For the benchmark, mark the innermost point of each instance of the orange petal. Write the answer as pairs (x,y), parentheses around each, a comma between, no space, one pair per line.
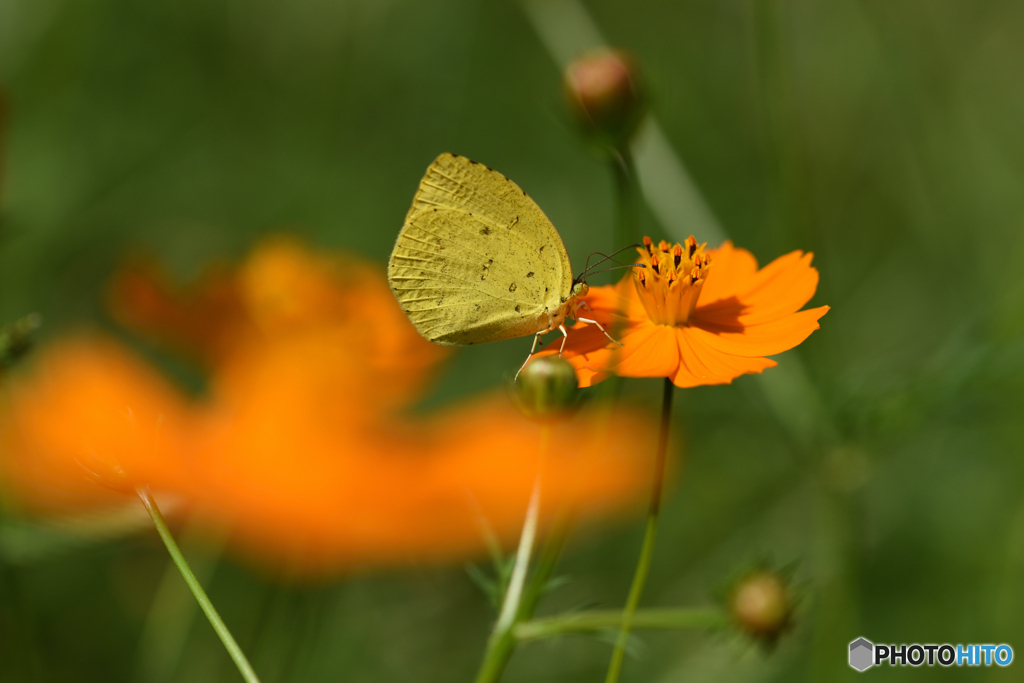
(89,412)
(725,363)
(780,288)
(731,270)
(412,491)
(695,370)
(197,320)
(760,340)
(649,351)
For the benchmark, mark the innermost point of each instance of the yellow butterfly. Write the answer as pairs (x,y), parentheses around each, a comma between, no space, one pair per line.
(478,261)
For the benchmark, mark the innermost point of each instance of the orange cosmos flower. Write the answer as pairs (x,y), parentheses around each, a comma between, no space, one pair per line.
(301,449)
(695,316)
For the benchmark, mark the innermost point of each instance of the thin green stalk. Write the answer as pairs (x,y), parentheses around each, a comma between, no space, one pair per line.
(545,569)
(596,621)
(650,533)
(170,618)
(626,190)
(513,596)
(193,583)
(518,603)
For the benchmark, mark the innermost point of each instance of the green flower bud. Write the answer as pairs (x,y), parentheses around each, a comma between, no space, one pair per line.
(762,605)
(605,96)
(547,386)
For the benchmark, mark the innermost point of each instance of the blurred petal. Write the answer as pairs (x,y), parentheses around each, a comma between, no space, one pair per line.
(199,321)
(412,491)
(90,419)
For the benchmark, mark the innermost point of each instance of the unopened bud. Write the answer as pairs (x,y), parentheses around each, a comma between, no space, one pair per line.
(605,95)
(547,386)
(762,605)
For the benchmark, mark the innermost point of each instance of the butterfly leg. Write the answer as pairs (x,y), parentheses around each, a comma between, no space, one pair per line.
(594,322)
(565,338)
(536,339)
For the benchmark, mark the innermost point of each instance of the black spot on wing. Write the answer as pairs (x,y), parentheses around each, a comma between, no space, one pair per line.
(512,287)
(530,274)
(485,230)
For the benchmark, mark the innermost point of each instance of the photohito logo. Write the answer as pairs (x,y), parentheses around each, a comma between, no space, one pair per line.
(864,654)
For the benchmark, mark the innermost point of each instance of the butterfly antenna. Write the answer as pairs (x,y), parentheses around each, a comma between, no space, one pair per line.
(587,267)
(628,265)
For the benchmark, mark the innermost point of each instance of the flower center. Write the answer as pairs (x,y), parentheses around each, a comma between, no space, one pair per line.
(670,284)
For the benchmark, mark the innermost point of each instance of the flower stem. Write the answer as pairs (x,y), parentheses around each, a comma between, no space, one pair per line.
(519,603)
(514,594)
(624,171)
(669,619)
(193,583)
(650,533)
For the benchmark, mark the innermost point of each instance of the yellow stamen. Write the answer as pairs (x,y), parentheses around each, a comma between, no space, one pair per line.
(670,284)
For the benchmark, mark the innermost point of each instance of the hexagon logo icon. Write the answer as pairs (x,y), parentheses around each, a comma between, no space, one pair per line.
(862,653)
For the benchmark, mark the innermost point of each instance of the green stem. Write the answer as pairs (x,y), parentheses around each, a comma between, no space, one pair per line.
(650,533)
(669,619)
(193,583)
(520,599)
(514,594)
(624,171)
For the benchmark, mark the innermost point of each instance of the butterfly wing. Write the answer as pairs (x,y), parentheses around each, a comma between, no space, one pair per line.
(477,260)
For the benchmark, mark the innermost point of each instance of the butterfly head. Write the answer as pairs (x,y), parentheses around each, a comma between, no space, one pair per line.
(577,299)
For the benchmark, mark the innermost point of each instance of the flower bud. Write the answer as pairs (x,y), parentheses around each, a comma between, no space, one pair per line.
(547,386)
(605,96)
(762,605)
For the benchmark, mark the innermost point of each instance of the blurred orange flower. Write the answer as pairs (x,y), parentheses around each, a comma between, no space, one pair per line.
(695,316)
(300,449)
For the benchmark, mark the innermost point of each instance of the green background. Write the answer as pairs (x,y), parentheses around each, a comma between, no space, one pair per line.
(883,135)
